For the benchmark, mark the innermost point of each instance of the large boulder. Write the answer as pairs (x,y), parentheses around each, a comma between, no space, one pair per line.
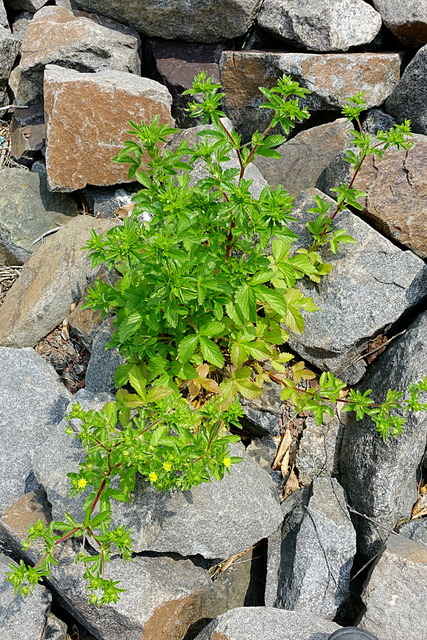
(407,20)
(3,17)
(9,48)
(409,97)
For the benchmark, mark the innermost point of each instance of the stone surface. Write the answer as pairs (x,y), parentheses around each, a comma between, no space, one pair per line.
(416,530)
(57,36)
(409,97)
(395,593)
(377,119)
(371,285)
(32,401)
(396,185)
(103,202)
(305,156)
(54,277)
(330,77)
(326,25)
(195,21)
(260,623)
(319,448)
(20,24)
(381,477)
(27,141)
(407,20)
(55,629)
(103,363)
(3,17)
(28,210)
(9,48)
(26,5)
(87,118)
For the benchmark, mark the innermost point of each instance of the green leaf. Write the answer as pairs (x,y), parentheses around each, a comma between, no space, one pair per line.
(246,300)
(211,352)
(138,382)
(187,347)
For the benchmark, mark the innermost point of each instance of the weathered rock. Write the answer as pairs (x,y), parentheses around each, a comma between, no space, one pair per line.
(3,17)
(416,530)
(20,24)
(9,48)
(28,210)
(318,544)
(84,324)
(396,185)
(54,277)
(407,20)
(395,593)
(103,363)
(371,285)
(260,623)
(57,36)
(209,21)
(261,416)
(26,5)
(381,477)
(32,401)
(305,156)
(55,629)
(327,25)
(103,202)
(263,450)
(376,120)
(319,447)
(409,97)
(331,78)
(26,141)
(87,119)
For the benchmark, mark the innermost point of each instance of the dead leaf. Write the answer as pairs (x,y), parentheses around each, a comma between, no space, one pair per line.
(420,507)
(284,467)
(291,485)
(284,446)
(124,211)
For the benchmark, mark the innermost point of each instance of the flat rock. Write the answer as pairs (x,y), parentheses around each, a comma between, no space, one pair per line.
(58,36)
(320,144)
(208,21)
(87,118)
(331,78)
(416,530)
(55,276)
(103,363)
(407,20)
(395,593)
(381,477)
(32,401)
(371,285)
(28,210)
(260,623)
(261,415)
(3,17)
(9,48)
(319,448)
(409,97)
(327,25)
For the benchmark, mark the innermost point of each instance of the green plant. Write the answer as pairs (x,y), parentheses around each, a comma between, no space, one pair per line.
(206,294)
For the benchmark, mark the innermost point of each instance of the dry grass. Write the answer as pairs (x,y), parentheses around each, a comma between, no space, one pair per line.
(8,275)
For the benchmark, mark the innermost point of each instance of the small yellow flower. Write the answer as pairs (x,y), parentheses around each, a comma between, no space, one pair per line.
(152,476)
(81,483)
(226,462)
(167,466)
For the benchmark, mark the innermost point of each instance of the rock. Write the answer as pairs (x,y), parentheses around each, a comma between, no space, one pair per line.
(103,202)
(9,48)
(396,185)
(260,623)
(54,277)
(87,121)
(327,25)
(26,5)
(320,144)
(263,450)
(416,530)
(409,97)
(103,363)
(209,21)
(331,78)
(261,416)
(26,141)
(376,120)
(319,447)
(20,24)
(407,20)
(22,618)
(84,323)
(380,478)
(55,629)
(371,285)
(318,544)
(32,401)
(58,36)
(29,210)
(395,592)
(3,17)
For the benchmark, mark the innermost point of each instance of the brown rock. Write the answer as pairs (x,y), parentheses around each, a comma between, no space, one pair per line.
(87,118)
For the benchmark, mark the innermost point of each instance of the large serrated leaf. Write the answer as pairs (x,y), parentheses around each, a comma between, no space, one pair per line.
(211,352)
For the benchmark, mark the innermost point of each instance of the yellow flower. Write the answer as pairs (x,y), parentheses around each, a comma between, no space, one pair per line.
(226,462)
(167,466)
(152,476)
(81,483)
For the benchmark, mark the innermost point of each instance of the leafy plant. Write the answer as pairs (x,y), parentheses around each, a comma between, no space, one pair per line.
(206,295)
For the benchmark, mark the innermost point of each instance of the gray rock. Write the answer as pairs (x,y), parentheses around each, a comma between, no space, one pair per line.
(381,477)
(407,20)
(319,144)
(55,276)
(117,48)
(376,120)
(103,362)
(210,21)
(260,623)
(55,629)
(395,593)
(32,401)
(20,24)
(3,17)
(416,530)
(319,447)
(409,97)
(102,202)
(9,48)
(371,285)
(263,450)
(261,416)
(28,210)
(26,5)
(27,141)
(327,25)
(22,618)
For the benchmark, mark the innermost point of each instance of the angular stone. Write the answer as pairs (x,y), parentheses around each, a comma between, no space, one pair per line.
(208,21)
(58,36)
(260,623)
(372,283)
(32,401)
(409,97)
(320,144)
(54,277)
(319,448)
(87,118)
(416,530)
(380,478)
(28,210)
(9,48)
(395,594)
(26,141)
(396,185)
(3,17)
(261,416)
(103,363)
(377,119)
(407,20)
(20,24)
(331,78)
(103,202)
(327,25)
(26,5)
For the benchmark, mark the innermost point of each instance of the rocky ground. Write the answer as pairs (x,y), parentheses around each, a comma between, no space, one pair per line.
(318,527)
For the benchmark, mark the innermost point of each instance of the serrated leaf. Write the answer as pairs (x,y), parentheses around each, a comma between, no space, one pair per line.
(211,352)
(238,354)
(187,347)
(121,375)
(246,300)
(273,299)
(157,393)
(137,380)
(212,329)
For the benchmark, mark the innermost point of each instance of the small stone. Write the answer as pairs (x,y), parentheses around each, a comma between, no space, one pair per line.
(376,120)
(416,530)
(261,416)
(409,97)
(26,141)
(407,20)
